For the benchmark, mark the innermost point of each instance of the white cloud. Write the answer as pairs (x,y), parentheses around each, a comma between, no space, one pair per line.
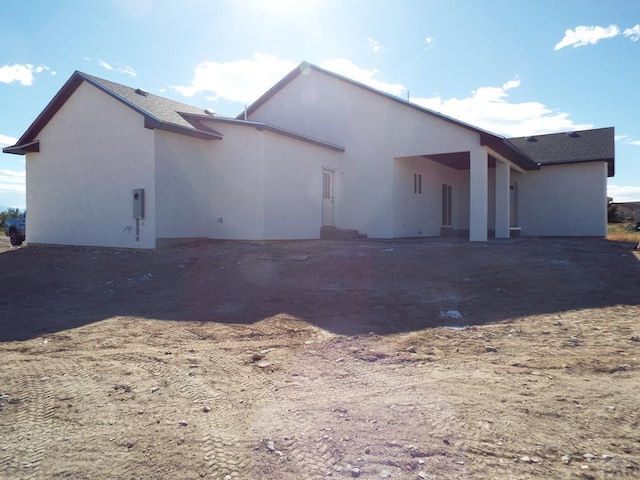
(626,140)
(375,46)
(348,69)
(21,73)
(624,193)
(633,33)
(488,108)
(583,35)
(6,141)
(428,42)
(241,81)
(118,69)
(515,83)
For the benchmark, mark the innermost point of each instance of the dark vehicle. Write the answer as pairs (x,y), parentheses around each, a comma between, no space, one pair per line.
(16,229)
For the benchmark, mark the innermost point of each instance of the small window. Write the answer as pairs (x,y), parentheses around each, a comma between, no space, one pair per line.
(417,183)
(447,205)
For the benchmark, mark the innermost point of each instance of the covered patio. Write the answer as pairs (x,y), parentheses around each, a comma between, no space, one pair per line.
(466,193)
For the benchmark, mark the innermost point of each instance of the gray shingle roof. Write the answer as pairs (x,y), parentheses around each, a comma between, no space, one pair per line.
(572,147)
(163,109)
(158,112)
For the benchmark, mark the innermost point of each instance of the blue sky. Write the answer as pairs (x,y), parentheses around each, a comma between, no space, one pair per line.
(512,67)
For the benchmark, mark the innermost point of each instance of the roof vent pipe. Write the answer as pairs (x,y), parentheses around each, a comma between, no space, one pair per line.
(142,92)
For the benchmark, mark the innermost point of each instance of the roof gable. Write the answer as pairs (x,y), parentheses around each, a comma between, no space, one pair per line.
(596,145)
(306,66)
(158,112)
(496,142)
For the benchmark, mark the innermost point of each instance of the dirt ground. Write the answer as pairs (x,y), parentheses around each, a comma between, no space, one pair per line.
(413,359)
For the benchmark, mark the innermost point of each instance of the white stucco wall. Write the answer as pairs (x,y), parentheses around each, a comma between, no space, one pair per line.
(563,200)
(252,185)
(264,185)
(374,131)
(233,185)
(184,185)
(418,215)
(93,153)
(293,187)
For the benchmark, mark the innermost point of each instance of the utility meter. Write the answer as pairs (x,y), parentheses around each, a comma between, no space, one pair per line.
(138,203)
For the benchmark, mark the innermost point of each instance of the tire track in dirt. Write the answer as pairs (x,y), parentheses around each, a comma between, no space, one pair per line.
(381,416)
(221,392)
(231,450)
(27,441)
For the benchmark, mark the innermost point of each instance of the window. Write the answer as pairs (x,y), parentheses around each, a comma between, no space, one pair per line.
(446,205)
(326,185)
(417,183)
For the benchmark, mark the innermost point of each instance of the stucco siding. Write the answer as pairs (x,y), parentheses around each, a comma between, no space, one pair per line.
(236,191)
(327,108)
(93,153)
(563,200)
(420,214)
(252,185)
(184,183)
(374,131)
(293,187)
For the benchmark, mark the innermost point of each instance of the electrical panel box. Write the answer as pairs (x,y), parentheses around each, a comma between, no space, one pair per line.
(138,203)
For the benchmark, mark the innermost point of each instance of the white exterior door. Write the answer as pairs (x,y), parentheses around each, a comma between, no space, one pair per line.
(328,187)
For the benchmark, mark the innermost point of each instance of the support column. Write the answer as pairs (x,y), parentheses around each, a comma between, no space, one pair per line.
(503,181)
(478,193)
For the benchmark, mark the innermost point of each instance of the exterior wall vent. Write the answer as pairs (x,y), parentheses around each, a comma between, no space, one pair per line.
(142,92)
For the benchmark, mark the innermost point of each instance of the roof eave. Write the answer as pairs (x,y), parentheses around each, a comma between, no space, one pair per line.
(609,161)
(50,110)
(153,123)
(22,149)
(303,138)
(273,129)
(509,151)
(273,90)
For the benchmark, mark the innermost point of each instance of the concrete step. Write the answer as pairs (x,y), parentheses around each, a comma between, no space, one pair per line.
(333,233)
